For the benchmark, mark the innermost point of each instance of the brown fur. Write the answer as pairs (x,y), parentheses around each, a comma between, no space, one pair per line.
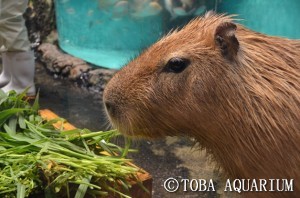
(245,110)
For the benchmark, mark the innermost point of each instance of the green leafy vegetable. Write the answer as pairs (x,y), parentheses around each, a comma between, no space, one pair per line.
(38,159)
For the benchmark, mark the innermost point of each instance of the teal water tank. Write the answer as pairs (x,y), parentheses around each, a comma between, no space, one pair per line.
(272,17)
(107,33)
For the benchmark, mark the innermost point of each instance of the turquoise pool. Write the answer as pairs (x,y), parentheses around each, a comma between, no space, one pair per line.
(99,37)
(109,33)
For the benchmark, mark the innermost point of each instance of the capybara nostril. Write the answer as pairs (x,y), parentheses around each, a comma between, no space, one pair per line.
(110,107)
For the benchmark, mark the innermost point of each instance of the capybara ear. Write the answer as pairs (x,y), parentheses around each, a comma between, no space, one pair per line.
(226,40)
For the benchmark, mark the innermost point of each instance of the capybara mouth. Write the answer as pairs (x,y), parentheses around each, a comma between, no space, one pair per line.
(131,118)
(136,122)
(121,121)
(135,128)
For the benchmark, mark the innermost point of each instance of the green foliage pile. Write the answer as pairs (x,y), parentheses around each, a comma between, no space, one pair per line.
(38,159)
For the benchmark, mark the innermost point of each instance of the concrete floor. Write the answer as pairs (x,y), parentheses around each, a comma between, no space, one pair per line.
(170,157)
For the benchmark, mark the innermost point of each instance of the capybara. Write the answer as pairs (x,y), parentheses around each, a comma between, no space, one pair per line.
(236,91)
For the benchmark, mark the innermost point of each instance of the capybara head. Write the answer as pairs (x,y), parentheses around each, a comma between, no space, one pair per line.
(170,88)
(234,90)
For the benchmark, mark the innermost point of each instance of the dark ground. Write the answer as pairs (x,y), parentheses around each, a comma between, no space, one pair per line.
(170,157)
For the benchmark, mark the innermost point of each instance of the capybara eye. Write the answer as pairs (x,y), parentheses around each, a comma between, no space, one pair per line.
(176,65)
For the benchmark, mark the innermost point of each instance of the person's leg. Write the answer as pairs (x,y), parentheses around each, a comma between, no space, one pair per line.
(13,32)
(21,70)
(17,58)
